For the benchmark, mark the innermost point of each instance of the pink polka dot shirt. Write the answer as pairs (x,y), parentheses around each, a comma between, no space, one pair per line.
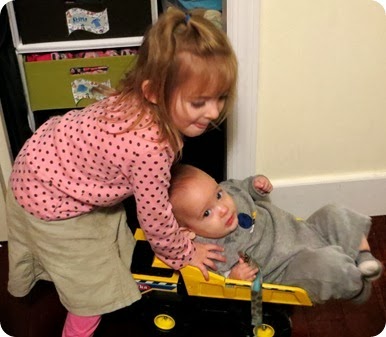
(83,160)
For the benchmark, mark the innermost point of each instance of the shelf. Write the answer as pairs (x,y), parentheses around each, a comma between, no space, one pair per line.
(125,42)
(119,42)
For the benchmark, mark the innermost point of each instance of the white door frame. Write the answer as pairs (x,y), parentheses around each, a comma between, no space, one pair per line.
(242,26)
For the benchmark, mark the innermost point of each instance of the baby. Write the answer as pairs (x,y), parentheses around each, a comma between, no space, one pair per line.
(328,254)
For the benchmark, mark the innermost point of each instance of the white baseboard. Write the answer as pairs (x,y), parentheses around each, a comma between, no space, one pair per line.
(365,193)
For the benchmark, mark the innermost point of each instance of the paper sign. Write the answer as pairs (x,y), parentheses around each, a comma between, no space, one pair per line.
(82,88)
(81,19)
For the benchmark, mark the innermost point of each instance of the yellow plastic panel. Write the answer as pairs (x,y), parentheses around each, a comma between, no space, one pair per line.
(220,287)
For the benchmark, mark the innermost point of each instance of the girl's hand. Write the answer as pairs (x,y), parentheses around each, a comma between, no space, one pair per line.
(243,271)
(204,256)
(262,183)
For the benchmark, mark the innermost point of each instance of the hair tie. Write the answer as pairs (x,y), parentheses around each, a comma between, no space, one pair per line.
(187,17)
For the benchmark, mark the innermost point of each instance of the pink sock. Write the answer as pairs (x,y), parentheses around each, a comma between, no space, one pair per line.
(80,326)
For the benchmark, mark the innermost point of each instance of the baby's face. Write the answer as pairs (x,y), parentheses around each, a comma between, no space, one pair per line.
(206,208)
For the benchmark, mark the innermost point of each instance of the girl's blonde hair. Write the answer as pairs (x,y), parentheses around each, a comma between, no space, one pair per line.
(177,47)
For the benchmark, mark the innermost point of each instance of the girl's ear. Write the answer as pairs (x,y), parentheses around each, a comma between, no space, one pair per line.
(147,93)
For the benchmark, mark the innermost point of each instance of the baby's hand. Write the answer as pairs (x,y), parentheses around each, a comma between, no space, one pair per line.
(243,271)
(262,183)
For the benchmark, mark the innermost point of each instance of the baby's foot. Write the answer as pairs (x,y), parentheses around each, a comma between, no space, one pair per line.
(370,267)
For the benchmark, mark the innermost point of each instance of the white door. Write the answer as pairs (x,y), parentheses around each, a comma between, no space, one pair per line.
(5,171)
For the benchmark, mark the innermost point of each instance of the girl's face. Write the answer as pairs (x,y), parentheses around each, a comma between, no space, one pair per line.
(193,110)
(206,208)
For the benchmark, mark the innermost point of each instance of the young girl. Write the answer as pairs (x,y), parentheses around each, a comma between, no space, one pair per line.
(65,219)
(328,254)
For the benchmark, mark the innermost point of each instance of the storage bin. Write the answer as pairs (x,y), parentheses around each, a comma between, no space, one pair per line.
(46,21)
(50,83)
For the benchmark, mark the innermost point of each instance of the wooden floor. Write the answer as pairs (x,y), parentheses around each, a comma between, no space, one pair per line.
(40,314)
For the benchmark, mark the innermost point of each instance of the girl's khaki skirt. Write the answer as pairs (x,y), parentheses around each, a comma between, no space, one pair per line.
(88,258)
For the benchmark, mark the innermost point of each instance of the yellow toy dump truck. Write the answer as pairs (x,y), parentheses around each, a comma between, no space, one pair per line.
(176,300)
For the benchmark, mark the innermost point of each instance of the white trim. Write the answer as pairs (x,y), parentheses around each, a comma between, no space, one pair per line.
(154,10)
(242,25)
(329,179)
(78,45)
(12,23)
(30,117)
(365,192)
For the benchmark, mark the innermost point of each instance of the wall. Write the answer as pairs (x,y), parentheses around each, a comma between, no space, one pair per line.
(321,113)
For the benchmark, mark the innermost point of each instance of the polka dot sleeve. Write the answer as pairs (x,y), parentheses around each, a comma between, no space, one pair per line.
(150,183)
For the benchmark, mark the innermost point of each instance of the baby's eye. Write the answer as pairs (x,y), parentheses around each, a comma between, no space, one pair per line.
(207,213)
(219,195)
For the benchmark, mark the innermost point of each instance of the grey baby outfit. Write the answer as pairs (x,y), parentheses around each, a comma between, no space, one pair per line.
(317,254)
